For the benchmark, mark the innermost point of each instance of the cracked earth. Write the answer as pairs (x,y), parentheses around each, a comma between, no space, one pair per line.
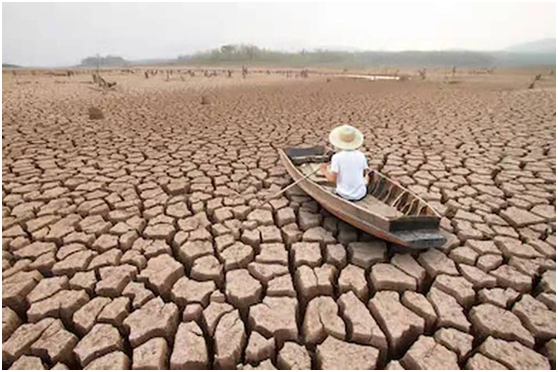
(130,242)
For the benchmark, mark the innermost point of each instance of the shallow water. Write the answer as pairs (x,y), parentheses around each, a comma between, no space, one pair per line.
(373,77)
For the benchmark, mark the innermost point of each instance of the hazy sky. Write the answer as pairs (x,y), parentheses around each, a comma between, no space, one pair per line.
(57,34)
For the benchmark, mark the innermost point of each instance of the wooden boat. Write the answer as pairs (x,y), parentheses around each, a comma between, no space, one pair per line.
(389,211)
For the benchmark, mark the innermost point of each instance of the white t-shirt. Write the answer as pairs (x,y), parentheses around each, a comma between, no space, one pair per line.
(350,166)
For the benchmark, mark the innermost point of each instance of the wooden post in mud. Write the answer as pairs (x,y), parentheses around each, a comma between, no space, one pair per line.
(532,85)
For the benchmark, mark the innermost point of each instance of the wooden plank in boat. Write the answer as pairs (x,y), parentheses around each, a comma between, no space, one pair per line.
(425,238)
(315,154)
(306,159)
(373,204)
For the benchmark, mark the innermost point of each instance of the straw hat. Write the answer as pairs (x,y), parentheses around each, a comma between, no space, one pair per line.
(346,137)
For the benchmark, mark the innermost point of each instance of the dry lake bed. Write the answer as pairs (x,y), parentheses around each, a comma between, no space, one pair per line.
(130,242)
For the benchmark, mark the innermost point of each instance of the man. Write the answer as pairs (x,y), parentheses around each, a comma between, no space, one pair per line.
(349,169)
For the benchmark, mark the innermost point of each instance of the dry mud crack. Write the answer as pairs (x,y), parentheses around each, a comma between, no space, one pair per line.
(129,242)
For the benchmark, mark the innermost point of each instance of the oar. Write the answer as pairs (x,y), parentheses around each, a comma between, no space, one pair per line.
(329,149)
(285,189)
(280,192)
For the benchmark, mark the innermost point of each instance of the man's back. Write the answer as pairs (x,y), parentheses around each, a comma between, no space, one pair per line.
(350,166)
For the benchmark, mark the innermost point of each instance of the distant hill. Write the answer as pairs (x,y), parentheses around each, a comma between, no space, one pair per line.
(516,59)
(9,65)
(543,46)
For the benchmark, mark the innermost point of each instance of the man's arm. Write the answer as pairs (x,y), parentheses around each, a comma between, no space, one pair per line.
(367,176)
(331,176)
(366,170)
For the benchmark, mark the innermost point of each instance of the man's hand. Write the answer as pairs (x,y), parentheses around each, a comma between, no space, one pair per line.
(323,168)
(331,176)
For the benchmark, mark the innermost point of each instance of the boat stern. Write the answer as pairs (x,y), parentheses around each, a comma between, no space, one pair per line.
(421,239)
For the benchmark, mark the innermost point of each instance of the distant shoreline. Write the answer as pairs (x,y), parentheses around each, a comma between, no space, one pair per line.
(256,57)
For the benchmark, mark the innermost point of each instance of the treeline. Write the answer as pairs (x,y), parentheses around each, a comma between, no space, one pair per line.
(100,61)
(253,54)
(240,54)
(250,54)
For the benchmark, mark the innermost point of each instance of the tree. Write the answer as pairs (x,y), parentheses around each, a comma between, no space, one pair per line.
(108,60)
(228,49)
